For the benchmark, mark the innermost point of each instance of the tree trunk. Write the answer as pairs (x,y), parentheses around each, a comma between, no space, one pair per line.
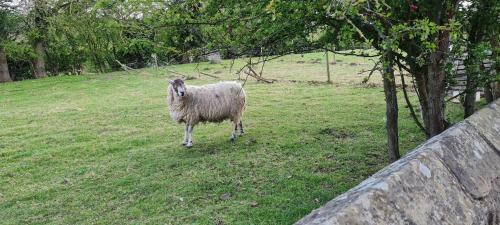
(433,82)
(423,97)
(430,81)
(435,87)
(495,86)
(470,98)
(39,62)
(471,86)
(488,95)
(391,103)
(4,67)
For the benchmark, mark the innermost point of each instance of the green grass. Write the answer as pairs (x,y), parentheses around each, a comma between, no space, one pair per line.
(101,149)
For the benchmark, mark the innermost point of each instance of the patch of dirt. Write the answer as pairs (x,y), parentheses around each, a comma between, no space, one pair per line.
(330,157)
(316,61)
(315,82)
(252,141)
(337,134)
(225,197)
(212,151)
(189,77)
(325,169)
(312,82)
(373,85)
(327,186)
(300,62)
(219,221)
(353,64)
(218,72)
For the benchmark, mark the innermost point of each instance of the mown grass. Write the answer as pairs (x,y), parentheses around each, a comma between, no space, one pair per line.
(101,149)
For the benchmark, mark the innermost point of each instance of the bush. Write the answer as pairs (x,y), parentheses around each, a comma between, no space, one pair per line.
(19,58)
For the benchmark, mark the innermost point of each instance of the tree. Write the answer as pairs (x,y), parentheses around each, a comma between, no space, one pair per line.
(6,28)
(4,67)
(391,106)
(413,36)
(479,26)
(420,38)
(37,22)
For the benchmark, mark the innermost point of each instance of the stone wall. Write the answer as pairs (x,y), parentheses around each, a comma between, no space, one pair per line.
(453,178)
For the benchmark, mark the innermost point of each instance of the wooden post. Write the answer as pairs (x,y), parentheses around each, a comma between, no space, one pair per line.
(327,67)
(155,60)
(334,59)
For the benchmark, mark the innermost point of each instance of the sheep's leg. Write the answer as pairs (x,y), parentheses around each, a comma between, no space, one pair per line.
(241,128)
(190,136)
(233,134)
(185,142)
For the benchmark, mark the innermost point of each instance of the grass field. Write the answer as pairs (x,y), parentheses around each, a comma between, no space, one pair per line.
(101,148)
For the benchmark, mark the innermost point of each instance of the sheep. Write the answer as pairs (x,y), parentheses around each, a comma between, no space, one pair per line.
(208,103)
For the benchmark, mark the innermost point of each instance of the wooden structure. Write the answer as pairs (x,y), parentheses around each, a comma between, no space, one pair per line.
(461,78)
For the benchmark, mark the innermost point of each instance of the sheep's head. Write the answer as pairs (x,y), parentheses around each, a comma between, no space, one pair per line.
(178,86)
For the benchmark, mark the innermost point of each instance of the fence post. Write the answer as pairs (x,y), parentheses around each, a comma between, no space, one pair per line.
(327,67)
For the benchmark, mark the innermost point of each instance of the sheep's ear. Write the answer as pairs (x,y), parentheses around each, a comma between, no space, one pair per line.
(170,81)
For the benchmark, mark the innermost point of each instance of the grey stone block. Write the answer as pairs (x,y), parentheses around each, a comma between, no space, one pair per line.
(453,178)
(487,122)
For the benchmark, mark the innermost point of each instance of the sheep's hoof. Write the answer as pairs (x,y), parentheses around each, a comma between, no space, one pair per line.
(232,139)
(189,145)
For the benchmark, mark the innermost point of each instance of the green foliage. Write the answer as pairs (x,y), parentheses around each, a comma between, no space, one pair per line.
(19,57)
(9,24)
(100,33)
(473,40)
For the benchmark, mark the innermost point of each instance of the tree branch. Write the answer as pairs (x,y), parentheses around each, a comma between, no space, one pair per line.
(410,106)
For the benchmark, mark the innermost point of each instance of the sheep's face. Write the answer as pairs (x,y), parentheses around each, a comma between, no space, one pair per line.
(179,87)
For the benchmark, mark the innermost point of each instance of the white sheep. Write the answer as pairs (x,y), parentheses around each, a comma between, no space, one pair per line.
(208,103)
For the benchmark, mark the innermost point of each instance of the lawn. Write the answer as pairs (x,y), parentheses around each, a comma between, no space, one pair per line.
(101,148)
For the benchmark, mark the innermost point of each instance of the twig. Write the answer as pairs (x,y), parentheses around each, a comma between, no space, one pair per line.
(232,64)
(375,68)
(351,53)
(253,74)
(410,106)
(456,96)
(262,68)
(175,72)
(360,33)
(209,75)
(123,66)
(197,69)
